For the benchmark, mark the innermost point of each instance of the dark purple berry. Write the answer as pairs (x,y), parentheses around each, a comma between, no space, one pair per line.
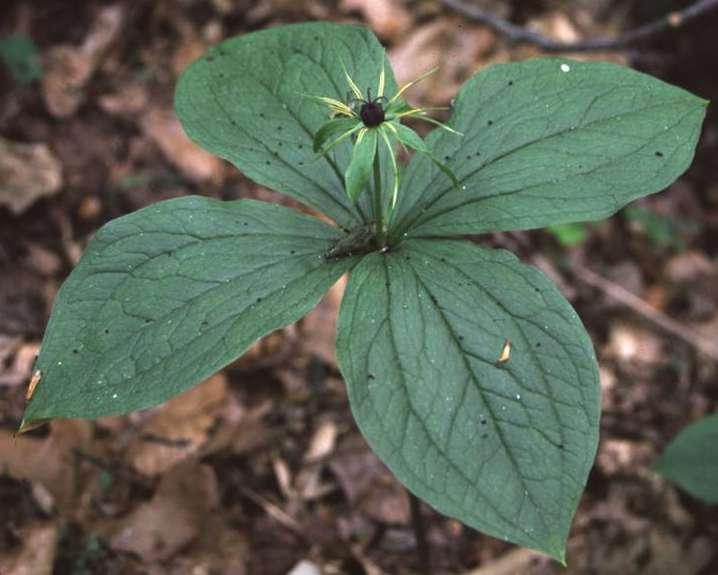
(372,114)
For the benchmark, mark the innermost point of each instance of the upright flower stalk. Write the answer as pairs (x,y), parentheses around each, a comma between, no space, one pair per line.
(374,123)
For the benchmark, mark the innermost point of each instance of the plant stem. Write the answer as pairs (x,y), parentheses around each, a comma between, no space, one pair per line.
(378,204)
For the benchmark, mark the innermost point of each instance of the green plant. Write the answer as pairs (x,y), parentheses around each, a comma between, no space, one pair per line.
(469,374)
(22,58)
(690,459)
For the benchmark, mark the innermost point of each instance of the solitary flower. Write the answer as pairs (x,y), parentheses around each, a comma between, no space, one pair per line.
(374,122)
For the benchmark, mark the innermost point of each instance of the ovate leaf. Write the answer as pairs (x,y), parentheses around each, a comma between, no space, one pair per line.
(252,100)
(691,459)
(549,141)
(503,446)
(167,295)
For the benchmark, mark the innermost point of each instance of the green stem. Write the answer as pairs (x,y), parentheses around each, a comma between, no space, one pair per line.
(378,204)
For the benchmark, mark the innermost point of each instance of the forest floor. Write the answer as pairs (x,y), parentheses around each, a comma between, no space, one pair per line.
(261,469)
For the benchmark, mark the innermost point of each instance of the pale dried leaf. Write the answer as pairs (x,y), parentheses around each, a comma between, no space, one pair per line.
(51,460)
(70,68)
(28,172)
(37,554)
(164,129)
(368,484)
(319,325)
(173,518)
(458,51)
(323,442)
(178,428)
(389,19)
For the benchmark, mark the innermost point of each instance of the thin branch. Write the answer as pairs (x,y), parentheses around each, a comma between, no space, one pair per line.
(694,338)
(519,35)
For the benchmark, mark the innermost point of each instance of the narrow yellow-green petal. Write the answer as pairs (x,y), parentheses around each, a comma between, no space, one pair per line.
(421,114)
(382,81)
(410,84)
(352,85)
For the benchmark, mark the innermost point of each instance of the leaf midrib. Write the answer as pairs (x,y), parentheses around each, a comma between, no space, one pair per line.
(392,338)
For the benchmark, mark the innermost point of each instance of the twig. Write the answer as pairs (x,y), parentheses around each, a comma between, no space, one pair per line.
(275,512)
(519,35)
(622,295)
(422,545)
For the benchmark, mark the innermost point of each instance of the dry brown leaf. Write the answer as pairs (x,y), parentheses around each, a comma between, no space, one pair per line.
(389,19)
(690,265)
(458,50)
(28,172)
(173,518)
(51,460)
(515,562)
(69,68)
(270,351)
(164,129)
(128,100)
(219,549)
(319,326)
(178,428)
(37,554)
(191,48)
(368,484)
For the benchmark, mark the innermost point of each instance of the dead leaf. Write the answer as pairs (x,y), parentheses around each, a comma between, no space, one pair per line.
(178,428)
(457,49)
(128,100)
(28,172)
(514,562)
(51,460)
(173,518)
(389,19)
(162,126)
(38,551)
(270,351)
(323,442)
(219,549)
(319,326)
(70,68)
(368,484)
(242,433)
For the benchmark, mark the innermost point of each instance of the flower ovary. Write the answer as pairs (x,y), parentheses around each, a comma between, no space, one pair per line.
(372,114)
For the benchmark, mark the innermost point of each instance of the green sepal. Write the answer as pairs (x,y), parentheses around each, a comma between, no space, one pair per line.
(397,107)
(361,164)
(411,139)
(334,132)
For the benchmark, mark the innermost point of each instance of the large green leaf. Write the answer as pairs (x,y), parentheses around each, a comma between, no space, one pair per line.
(167,295)
(549,141)
(246,101)
(503,447)
(691,459)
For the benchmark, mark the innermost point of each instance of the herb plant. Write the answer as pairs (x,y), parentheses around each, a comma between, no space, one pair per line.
(467,371)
